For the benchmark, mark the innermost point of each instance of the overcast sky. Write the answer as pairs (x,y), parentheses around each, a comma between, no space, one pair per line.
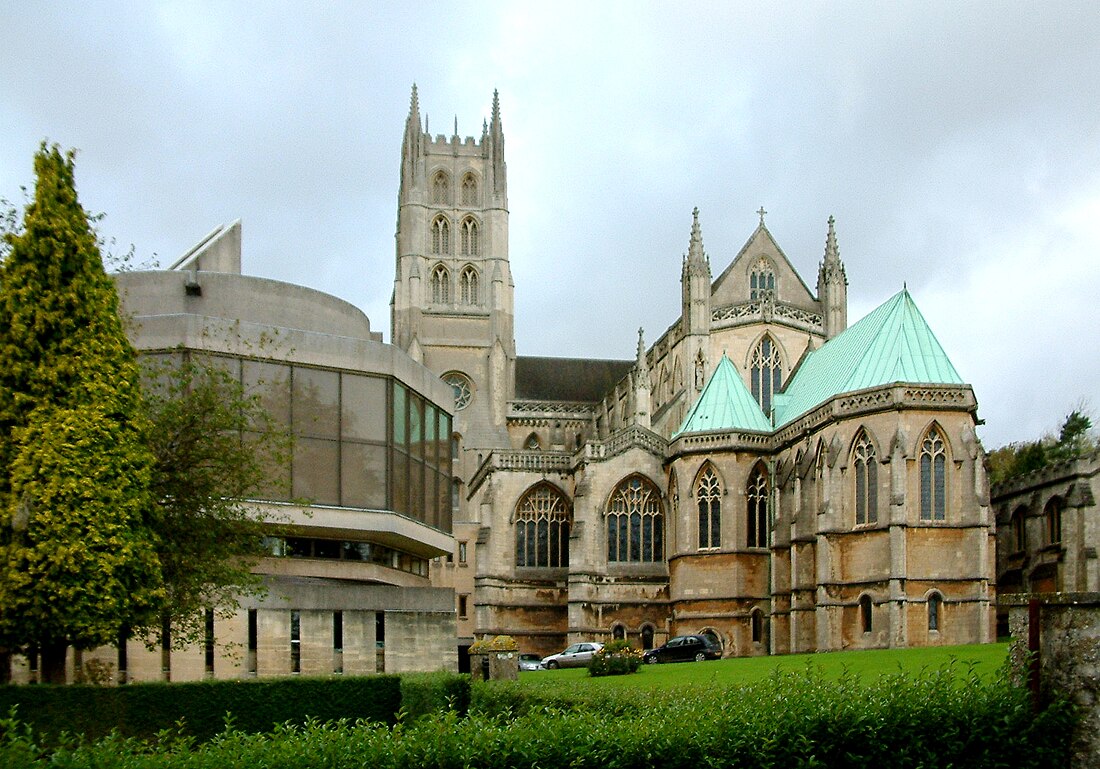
(957,145)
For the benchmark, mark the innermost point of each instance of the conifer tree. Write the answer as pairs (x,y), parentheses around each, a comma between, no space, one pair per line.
(77,560)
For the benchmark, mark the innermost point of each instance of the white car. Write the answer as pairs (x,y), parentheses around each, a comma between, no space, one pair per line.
(530,662)
(575,656)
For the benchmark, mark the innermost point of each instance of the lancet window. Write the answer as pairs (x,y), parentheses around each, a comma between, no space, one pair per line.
(933,477)
(865,470)
(708,497)
(441,285)
(469,190)
(469,286)
(441,235)
(542,528)
(469,237)
(766,369)
(756,494)
(441,188)
(1053,516)
(635,523)
(761,280)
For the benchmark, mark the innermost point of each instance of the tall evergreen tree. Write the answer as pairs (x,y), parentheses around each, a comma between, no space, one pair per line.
(77,559)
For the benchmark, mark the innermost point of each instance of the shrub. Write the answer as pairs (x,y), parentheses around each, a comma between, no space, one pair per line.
(424,693)
(615,659)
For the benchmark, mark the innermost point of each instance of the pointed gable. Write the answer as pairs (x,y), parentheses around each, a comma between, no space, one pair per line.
(891,344)
(725,404)
(732,286)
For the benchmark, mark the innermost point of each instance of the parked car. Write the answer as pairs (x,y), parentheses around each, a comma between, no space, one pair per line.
(575,656)
(685,648)
(530,662)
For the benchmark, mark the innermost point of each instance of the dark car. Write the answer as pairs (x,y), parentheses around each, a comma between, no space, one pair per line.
(685,648)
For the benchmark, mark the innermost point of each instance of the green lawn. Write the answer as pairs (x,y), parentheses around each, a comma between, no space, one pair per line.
(986,659)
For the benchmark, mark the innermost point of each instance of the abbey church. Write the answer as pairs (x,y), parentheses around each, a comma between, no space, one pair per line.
(765,472)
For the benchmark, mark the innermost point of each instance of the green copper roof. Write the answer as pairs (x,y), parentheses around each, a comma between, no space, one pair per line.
(725,404)
(891,344)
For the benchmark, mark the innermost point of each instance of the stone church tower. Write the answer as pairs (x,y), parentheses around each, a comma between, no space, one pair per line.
(452,305)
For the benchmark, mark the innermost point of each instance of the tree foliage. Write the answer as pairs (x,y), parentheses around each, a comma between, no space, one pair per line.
(77,561)
(1074,441)
(214,445)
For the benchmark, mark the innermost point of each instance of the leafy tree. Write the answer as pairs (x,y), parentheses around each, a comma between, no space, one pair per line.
(214,446)
(1074,441)
(77,559)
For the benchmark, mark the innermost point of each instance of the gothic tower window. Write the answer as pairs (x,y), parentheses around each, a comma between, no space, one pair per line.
(441,285)
(469,286)
(762,279)
(542,528)
(933,477)
(767,372)
(469,190)
(865,470)
(708,496)
(441,188)
(469,237)
(441,235)
(756,492)
(635,525)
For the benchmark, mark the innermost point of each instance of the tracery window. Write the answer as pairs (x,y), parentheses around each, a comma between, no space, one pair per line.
(865,470)
(469,237)
(635,524)
(542,528)
(1053,516)
(441,188)
(441,285)
(757,492)
(441,235)
(469,190)
(463,390)
(933,477)
(767,372)
(708,496)
(469,286)
(762,279)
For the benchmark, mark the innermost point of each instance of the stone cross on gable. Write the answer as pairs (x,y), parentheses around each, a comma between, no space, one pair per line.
(761,212)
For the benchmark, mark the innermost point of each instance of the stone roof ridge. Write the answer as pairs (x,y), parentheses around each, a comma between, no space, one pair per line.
(725,404)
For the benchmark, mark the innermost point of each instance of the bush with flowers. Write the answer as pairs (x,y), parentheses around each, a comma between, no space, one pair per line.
(615,659)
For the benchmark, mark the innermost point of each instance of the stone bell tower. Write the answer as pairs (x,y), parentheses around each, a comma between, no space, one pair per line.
(452,307)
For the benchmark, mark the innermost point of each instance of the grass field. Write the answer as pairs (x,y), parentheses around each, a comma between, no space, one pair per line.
(985,659)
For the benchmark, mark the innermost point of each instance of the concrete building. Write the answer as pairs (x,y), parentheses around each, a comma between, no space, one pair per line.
(761,473)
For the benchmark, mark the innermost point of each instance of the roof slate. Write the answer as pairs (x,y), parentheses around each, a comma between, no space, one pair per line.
(725,404)
(891,344)
(568,379)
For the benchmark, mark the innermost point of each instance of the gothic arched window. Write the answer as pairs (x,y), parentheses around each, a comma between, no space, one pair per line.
(542,528)
(762,279)
(866,613)
(469,237)
(766,368)
(441,235)
(756,494)
(708,496)
(865,470)
(1019,530)
(441,188)
(441,285)
(635,525)
(935,605)
(1053,516)
(933,477)
(469,190)
(469,286)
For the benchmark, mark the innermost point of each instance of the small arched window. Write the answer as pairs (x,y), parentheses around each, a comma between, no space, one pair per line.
(933,477)
(532,442)
(469,190)
(464,392)
(469,286)
(469,237)
(441,285)
(441,188)
(1053,516)
(866,613)
(542,528)
(647,637)
(757,626)
(1019,530)
(635,524)
(708,497)
(441,235)
(766,368)
(756,494)
(935,607)
(865,470)
(762,279)
(618,632)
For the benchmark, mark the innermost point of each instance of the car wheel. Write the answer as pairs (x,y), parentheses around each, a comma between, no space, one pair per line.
(700,657)
(552,665)
(652,660)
